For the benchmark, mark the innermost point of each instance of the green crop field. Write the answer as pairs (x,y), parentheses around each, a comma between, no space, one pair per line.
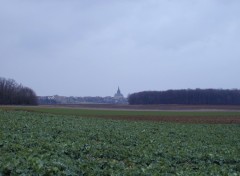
(61,142)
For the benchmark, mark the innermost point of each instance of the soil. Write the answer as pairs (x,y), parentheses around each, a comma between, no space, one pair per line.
(152,107)
(176,119)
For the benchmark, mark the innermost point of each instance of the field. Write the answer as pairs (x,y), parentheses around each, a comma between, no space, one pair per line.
(181,114)
(70,141)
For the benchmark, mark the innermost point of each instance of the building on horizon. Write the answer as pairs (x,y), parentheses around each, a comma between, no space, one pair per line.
(118,98)
(118,95)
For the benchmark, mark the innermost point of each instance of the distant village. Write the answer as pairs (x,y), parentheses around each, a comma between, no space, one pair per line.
(118,98)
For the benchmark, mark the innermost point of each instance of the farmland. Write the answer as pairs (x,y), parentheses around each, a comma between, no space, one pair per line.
(55,141)
(183,116)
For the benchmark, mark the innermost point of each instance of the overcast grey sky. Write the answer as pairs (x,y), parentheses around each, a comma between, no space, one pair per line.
(89,47)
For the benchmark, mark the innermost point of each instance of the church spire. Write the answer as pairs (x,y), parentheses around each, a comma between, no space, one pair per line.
(118,91)
(118,95)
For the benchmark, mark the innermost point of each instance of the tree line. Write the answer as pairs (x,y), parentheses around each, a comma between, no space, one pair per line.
(12,93)
(188,97)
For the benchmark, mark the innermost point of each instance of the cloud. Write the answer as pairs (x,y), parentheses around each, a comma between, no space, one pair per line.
(138,45)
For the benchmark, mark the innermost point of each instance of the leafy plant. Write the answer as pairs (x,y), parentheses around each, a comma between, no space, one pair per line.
(48,144)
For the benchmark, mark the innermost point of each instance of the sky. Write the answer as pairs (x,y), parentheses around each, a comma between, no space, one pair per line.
(90,47)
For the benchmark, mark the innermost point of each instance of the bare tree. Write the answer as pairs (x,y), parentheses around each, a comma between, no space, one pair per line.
(13,93)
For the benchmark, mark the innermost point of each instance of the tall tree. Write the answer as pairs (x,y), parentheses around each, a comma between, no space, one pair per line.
(188,97)
(13,93)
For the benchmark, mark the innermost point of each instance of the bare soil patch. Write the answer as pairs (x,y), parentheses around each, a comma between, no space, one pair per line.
(151,107)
